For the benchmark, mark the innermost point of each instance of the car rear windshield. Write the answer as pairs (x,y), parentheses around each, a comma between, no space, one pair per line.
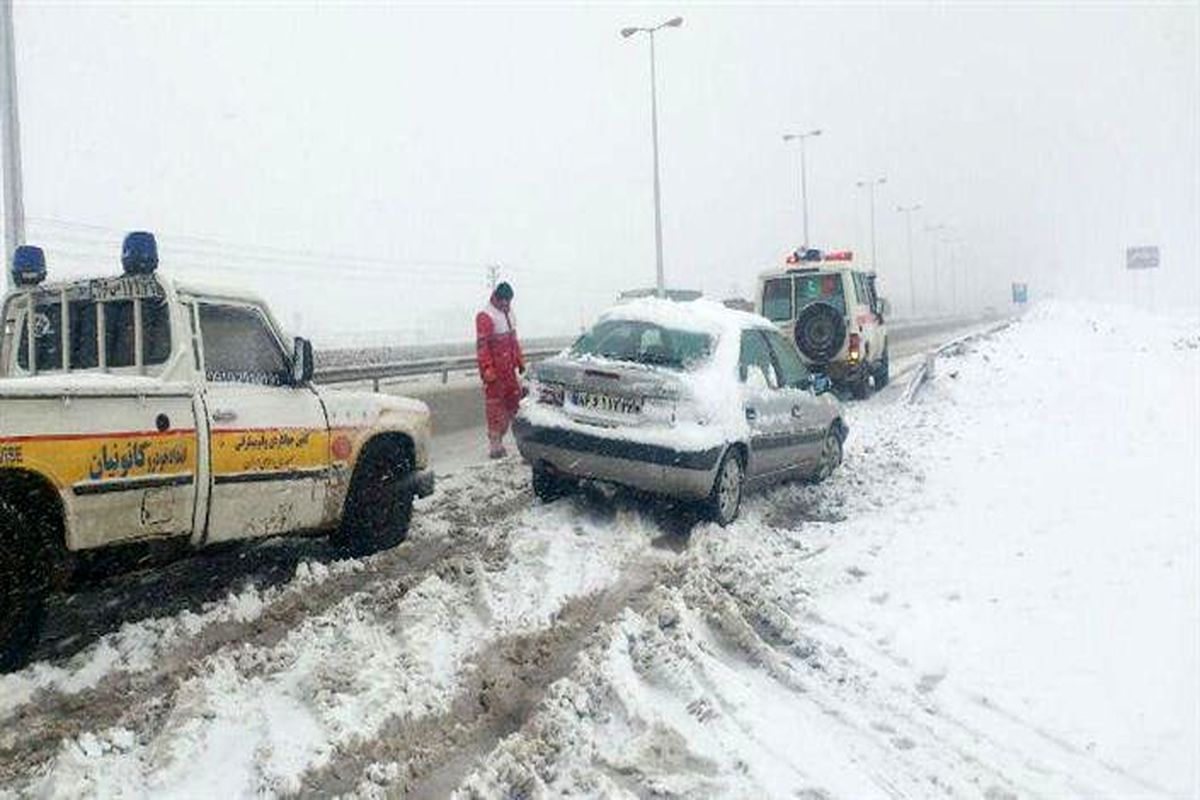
(824,288)
(644,343)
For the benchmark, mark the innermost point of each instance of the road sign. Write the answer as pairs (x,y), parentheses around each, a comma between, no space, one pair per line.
(1020,293)
(1141,257)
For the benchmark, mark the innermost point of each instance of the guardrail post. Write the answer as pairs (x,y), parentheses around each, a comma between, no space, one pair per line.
(445,376)
(375,385)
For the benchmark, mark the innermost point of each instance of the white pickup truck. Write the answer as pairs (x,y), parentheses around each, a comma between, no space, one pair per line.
(139,408)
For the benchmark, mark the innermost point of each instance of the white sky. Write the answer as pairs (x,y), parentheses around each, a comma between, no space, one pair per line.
(423,142)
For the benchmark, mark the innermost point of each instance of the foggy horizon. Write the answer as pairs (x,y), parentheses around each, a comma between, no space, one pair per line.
(423,144)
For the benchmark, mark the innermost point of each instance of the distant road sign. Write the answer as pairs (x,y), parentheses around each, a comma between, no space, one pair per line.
(1141,257)
(1020,293)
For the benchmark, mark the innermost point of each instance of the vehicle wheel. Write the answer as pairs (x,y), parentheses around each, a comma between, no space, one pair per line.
(24,582)
(882,375)
(379,505)
(831,455)
(820,332)
(548,485)
(725,501)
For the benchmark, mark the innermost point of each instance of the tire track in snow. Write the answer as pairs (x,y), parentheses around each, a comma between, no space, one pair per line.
(441,537)
(507,680)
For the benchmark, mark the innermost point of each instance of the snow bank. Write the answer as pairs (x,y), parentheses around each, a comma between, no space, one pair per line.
(996,597)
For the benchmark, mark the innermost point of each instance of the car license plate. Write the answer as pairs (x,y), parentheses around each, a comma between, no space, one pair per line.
(606,403)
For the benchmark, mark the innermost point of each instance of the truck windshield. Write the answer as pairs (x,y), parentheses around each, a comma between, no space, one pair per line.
(644,343)
(824,288)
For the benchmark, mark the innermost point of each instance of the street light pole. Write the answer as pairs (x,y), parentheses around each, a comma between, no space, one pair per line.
(787,137)
(674,22)
(907,211)
(871,184)
(14,205)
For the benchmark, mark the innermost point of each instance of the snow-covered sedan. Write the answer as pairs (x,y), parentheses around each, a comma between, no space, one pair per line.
(688,400)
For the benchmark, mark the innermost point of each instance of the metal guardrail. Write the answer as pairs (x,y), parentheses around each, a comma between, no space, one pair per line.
(377,373)
(925,371)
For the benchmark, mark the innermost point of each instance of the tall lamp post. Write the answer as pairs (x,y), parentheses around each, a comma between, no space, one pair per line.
(800,137)
(10,129)
(674,22)
(907,211)
(871,184)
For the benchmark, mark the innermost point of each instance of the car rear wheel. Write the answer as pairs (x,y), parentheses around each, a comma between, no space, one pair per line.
(831,455)
(549,485)
(725,501)
(24,582)
(379,506)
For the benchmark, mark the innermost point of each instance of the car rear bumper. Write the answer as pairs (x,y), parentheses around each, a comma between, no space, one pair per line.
(651,468)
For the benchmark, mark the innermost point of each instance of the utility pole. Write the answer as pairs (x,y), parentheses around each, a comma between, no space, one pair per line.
(14,204)
(674,22)
(871,184)
(787,137)
(907,211)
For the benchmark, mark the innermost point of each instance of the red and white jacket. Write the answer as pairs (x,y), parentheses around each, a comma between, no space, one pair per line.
(496,347)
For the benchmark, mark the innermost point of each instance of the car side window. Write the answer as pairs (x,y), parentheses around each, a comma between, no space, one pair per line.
(755,363)
(239,347)
(792,370)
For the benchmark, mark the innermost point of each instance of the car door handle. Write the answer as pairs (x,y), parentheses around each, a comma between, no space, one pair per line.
(797,412)
(751,414)
(224,415)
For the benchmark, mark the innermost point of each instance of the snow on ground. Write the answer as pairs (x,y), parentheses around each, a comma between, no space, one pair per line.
(995,597)
(137,646)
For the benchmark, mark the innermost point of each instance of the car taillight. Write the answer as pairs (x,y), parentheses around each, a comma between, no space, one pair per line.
(551,394)
(855,347)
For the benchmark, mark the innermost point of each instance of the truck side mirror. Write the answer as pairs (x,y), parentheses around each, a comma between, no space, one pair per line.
(302,361)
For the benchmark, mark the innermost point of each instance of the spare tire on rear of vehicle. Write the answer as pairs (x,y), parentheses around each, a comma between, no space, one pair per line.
(820,332)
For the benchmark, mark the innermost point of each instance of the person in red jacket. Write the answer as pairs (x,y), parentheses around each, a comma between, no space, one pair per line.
(500,359)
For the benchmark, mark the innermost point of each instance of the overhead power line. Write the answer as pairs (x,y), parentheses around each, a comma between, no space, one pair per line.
(294,260)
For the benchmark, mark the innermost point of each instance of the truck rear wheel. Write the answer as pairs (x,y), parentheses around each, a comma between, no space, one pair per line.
(882,371)
(380,503)
(24,583)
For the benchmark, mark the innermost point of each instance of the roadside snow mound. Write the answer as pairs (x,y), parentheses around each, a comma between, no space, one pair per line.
(967,609)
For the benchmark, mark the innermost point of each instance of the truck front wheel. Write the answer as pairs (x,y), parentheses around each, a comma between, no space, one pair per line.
(24,582)
(379,506)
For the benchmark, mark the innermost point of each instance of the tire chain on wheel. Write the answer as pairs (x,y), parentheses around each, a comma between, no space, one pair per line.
(820,332)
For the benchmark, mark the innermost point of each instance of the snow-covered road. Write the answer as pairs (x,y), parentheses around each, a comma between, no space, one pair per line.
(996,597)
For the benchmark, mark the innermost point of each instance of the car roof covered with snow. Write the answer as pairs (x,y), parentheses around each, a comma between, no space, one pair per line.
(702,316)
